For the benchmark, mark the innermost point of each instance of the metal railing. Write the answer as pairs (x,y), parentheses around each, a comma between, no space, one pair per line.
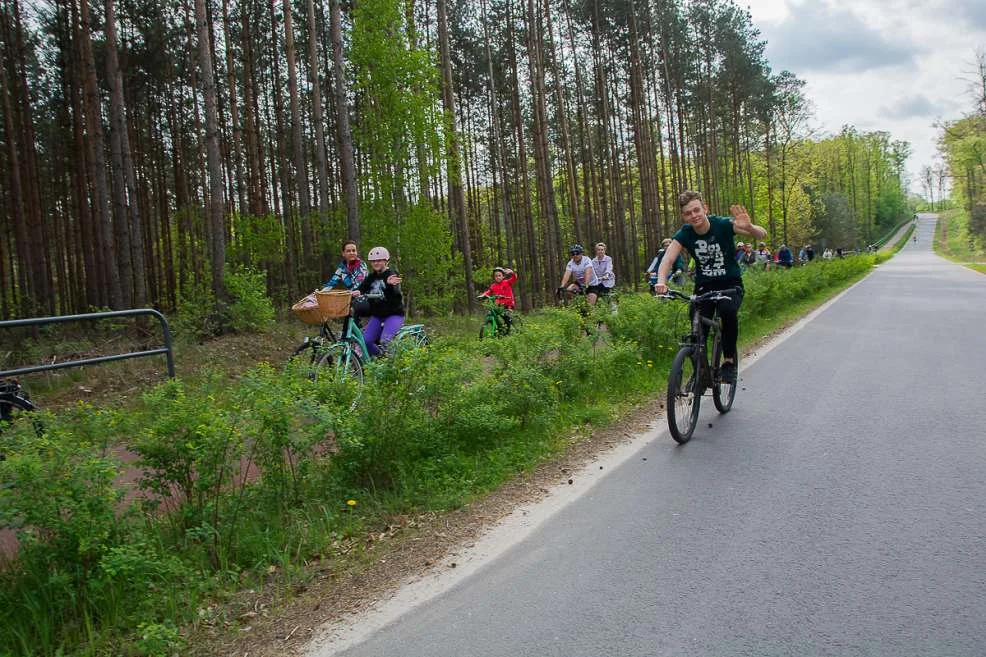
(61,319)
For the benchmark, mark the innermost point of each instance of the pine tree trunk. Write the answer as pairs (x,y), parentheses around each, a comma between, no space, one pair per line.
(542,157)
(216,229)
(129,226)
(297,140)
(279,164)
(81,208)
(457,201)
(25,265)
(256,178)
(236,146)
(344,134)
(321,166)
(97,161)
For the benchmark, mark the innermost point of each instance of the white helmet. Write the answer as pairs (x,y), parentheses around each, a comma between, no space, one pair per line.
(378,253)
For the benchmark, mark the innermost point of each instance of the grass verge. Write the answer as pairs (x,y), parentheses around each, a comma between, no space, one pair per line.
(954,242)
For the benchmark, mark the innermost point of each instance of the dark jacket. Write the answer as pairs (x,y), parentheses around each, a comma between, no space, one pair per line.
(375,284)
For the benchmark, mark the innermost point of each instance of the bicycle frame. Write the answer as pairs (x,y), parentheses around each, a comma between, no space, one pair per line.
(351,332)
(694,338)
(12,395)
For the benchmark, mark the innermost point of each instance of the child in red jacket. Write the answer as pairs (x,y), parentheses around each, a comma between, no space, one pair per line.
(503,286)
(502,289)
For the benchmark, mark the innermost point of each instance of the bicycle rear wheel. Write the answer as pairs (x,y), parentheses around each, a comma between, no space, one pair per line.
(408,340)
(684,395)
(723,392)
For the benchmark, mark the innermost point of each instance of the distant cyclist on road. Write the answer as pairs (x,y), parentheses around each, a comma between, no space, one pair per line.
(579,272)
(710,241)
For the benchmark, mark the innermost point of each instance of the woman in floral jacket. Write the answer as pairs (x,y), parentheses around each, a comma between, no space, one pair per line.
(350,272)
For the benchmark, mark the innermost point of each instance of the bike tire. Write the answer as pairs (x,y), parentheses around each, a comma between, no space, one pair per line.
(342,362)
(418,339)
(723,392)
(684,395)
(487,330)
(302,348)
(408,341)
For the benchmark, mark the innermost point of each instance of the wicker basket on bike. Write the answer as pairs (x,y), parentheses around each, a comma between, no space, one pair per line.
(323,305)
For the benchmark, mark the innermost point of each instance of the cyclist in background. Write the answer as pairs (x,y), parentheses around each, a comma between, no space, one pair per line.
(602,265)
(502,286)
(677,271)
(382,288)
(579,272)
(710,241)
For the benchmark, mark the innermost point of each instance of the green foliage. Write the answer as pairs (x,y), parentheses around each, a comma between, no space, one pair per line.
(250,309)
(196,318)
(955,240)
(255,241)
(963,144)
(836,223)
(159,639)
(421,245)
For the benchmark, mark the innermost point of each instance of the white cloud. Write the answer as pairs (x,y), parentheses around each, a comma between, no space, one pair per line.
(819,37)
(896,65)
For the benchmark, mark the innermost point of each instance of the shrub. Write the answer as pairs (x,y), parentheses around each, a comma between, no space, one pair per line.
(250,309)
(196,318)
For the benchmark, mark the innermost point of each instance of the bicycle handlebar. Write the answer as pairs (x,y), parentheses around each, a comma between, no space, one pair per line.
(714,295)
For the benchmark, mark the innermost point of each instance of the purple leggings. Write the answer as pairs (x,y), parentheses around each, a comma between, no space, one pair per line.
(382,330)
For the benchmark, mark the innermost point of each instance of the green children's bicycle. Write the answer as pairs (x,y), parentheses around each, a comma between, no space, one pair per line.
(345,356)
(498,320)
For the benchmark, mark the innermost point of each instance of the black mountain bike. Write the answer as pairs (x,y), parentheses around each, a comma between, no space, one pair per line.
(13,400)
(692,373)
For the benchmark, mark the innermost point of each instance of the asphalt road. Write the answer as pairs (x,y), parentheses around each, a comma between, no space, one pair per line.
(839,509)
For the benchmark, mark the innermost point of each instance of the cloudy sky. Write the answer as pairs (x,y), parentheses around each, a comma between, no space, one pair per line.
(894,65)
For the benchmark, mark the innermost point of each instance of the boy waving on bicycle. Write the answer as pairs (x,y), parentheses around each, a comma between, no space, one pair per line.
(502,287)
(502,292)
(709,240)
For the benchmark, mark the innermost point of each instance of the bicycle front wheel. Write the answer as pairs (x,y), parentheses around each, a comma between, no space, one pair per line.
(723,392)
(415,338)
(341,362)
(684,395)
(488,329)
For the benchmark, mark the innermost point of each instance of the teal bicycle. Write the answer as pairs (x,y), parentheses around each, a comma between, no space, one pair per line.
(498,321)
(345,356)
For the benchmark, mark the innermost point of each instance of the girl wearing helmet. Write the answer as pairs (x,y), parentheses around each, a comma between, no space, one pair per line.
(381,288)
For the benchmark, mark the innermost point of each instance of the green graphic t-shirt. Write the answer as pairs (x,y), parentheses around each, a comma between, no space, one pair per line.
(714,252)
